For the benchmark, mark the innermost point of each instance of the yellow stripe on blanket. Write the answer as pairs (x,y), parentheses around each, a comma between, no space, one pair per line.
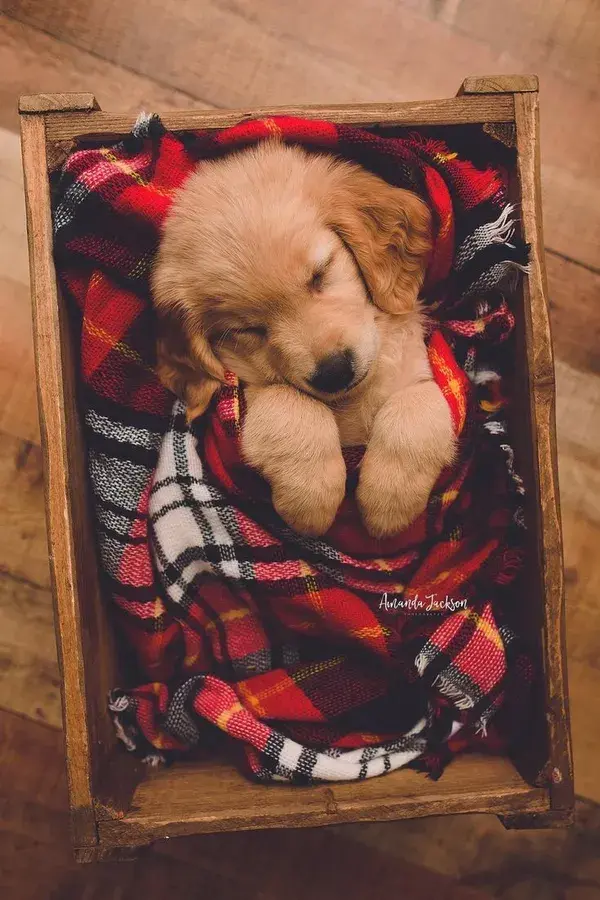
(490,632)
(135,176)
(228,714)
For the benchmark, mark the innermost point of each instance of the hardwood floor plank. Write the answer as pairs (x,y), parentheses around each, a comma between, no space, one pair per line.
(578,429)
(18,402)
(23,547)
(36,863)
(584,690)
(238,52)
(255,52)
(574,295)
(553,864)
(18,399)
(205,50)
(561,35)
(31,61)
(29,676)
(578,426)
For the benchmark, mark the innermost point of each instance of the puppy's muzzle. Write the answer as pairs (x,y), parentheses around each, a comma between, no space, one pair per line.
(334,373)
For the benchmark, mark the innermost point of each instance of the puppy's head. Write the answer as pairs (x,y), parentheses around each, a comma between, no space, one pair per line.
(277,265)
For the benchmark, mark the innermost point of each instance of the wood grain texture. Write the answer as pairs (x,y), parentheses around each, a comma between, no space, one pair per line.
(23,546)
(499,84)
(234,53)
(570,183)
(339,866)
(230,54)
(574,297)
(61,446)
(36,860)
(542,395)
(65,101)
(156,811)
(578,417)
(582,539)
(578,403)
(195,798)
(456,110)
(553,864)
(18,404)
(31,61)
(561,36)
(29,676)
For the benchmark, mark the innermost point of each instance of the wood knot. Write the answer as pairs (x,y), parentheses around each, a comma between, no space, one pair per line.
(331,806)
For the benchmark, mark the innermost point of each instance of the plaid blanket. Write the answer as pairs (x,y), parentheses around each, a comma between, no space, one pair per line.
(339,658)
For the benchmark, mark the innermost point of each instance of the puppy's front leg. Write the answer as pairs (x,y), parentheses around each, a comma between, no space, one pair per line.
(411,442)
(293,441)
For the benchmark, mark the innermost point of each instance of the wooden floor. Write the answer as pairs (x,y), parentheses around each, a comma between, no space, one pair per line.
(193,53)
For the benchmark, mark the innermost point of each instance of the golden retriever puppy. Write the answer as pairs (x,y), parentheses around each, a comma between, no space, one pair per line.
(300,273)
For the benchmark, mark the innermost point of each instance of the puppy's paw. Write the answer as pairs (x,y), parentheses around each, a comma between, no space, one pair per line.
(391,494)
(308,499)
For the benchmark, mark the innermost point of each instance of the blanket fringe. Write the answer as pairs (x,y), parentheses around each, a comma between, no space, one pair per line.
(442,682)
(503,229)
(449,689)
(423,659)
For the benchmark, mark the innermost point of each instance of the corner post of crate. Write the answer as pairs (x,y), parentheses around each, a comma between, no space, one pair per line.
(499,84)
(41,104)
(56,439)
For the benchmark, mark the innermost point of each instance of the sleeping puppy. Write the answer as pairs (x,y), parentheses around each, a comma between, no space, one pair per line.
(300,273)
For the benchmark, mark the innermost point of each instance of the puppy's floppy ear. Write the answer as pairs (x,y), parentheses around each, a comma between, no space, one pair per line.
(185,362)
(388,229)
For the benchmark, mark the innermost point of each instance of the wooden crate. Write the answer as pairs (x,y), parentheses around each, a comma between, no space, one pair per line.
(116,803)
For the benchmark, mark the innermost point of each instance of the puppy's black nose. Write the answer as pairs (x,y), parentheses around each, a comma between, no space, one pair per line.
(334,372)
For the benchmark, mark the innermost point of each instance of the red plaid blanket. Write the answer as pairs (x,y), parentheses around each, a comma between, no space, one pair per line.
(333,659)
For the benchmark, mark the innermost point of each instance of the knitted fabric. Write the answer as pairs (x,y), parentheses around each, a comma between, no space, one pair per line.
(338,658)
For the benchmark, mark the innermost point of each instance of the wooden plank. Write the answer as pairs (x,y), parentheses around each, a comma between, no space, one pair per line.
(578,421)
(18,401)
(341,866)
(578,403)
(265,52)
(29,676)
(454,111)
(541,385)
(561,36)
(195,798)
(18,404)
(516,866)
(31,61)
(499,84)
(257,52)
(23,546)
(582,539)
(220,52)
(66,101)
(58,451)
(574,296)
(36,860)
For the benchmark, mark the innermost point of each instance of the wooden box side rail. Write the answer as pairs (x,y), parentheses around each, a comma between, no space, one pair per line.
(540,358)
(70,124)
(167,803)
(54,427)
(85,647)
(101,779)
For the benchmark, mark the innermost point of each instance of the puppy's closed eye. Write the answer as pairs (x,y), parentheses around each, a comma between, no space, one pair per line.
(256,331)
(317,278)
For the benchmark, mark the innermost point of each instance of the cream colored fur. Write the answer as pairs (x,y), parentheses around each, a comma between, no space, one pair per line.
(271,260)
